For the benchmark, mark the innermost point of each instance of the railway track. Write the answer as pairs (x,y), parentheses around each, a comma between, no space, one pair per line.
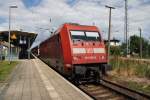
(99,92)
(107,90)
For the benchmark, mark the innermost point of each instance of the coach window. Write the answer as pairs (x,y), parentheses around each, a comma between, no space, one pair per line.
(78,35)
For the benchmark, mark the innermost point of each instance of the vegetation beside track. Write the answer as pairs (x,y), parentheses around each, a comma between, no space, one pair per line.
(130,68)
(130,73)
(6,69)
(131,83)
(140,87)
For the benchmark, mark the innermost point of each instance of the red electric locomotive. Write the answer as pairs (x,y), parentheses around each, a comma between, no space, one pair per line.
(77,51)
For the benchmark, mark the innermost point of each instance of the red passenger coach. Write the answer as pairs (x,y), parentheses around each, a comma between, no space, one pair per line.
(77,51)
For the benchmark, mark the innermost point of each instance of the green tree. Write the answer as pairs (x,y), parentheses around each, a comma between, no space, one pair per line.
(135,45)
(123,48)
(115,50)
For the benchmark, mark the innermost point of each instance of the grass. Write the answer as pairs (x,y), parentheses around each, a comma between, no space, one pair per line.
(139,87)
(142,87)
(6,69)
(131,68)
(128,68)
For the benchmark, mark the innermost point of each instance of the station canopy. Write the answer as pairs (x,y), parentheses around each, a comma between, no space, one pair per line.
(18,38)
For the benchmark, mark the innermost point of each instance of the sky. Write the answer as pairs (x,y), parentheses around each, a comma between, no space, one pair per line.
(35,15)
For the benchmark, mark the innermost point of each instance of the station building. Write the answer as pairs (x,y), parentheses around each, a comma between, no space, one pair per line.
(20,43)
(113,42)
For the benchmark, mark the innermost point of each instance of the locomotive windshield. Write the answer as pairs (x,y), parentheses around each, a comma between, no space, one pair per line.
(92,36)
(85,36)
(78,35)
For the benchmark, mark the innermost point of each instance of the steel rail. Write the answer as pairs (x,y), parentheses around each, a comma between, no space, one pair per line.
(124,90)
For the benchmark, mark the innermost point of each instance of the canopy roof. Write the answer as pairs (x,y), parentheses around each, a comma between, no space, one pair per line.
(17,36)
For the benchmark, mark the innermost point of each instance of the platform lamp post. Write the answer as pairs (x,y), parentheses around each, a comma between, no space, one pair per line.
(109,31)
(10,7)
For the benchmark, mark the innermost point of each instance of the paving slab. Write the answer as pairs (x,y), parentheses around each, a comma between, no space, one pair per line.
(34,80)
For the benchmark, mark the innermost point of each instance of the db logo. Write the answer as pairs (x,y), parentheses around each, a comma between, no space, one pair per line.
(89,50)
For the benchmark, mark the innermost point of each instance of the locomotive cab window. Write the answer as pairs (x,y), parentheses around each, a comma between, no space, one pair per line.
(78,35)
(92,36)
(85,36)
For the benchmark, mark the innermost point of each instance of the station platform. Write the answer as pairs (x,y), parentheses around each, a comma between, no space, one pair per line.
(34,80)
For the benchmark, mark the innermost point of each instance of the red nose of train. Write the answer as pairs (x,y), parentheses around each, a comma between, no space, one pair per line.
(88,52)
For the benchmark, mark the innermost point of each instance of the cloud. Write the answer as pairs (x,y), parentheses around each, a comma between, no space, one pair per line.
(38,13)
